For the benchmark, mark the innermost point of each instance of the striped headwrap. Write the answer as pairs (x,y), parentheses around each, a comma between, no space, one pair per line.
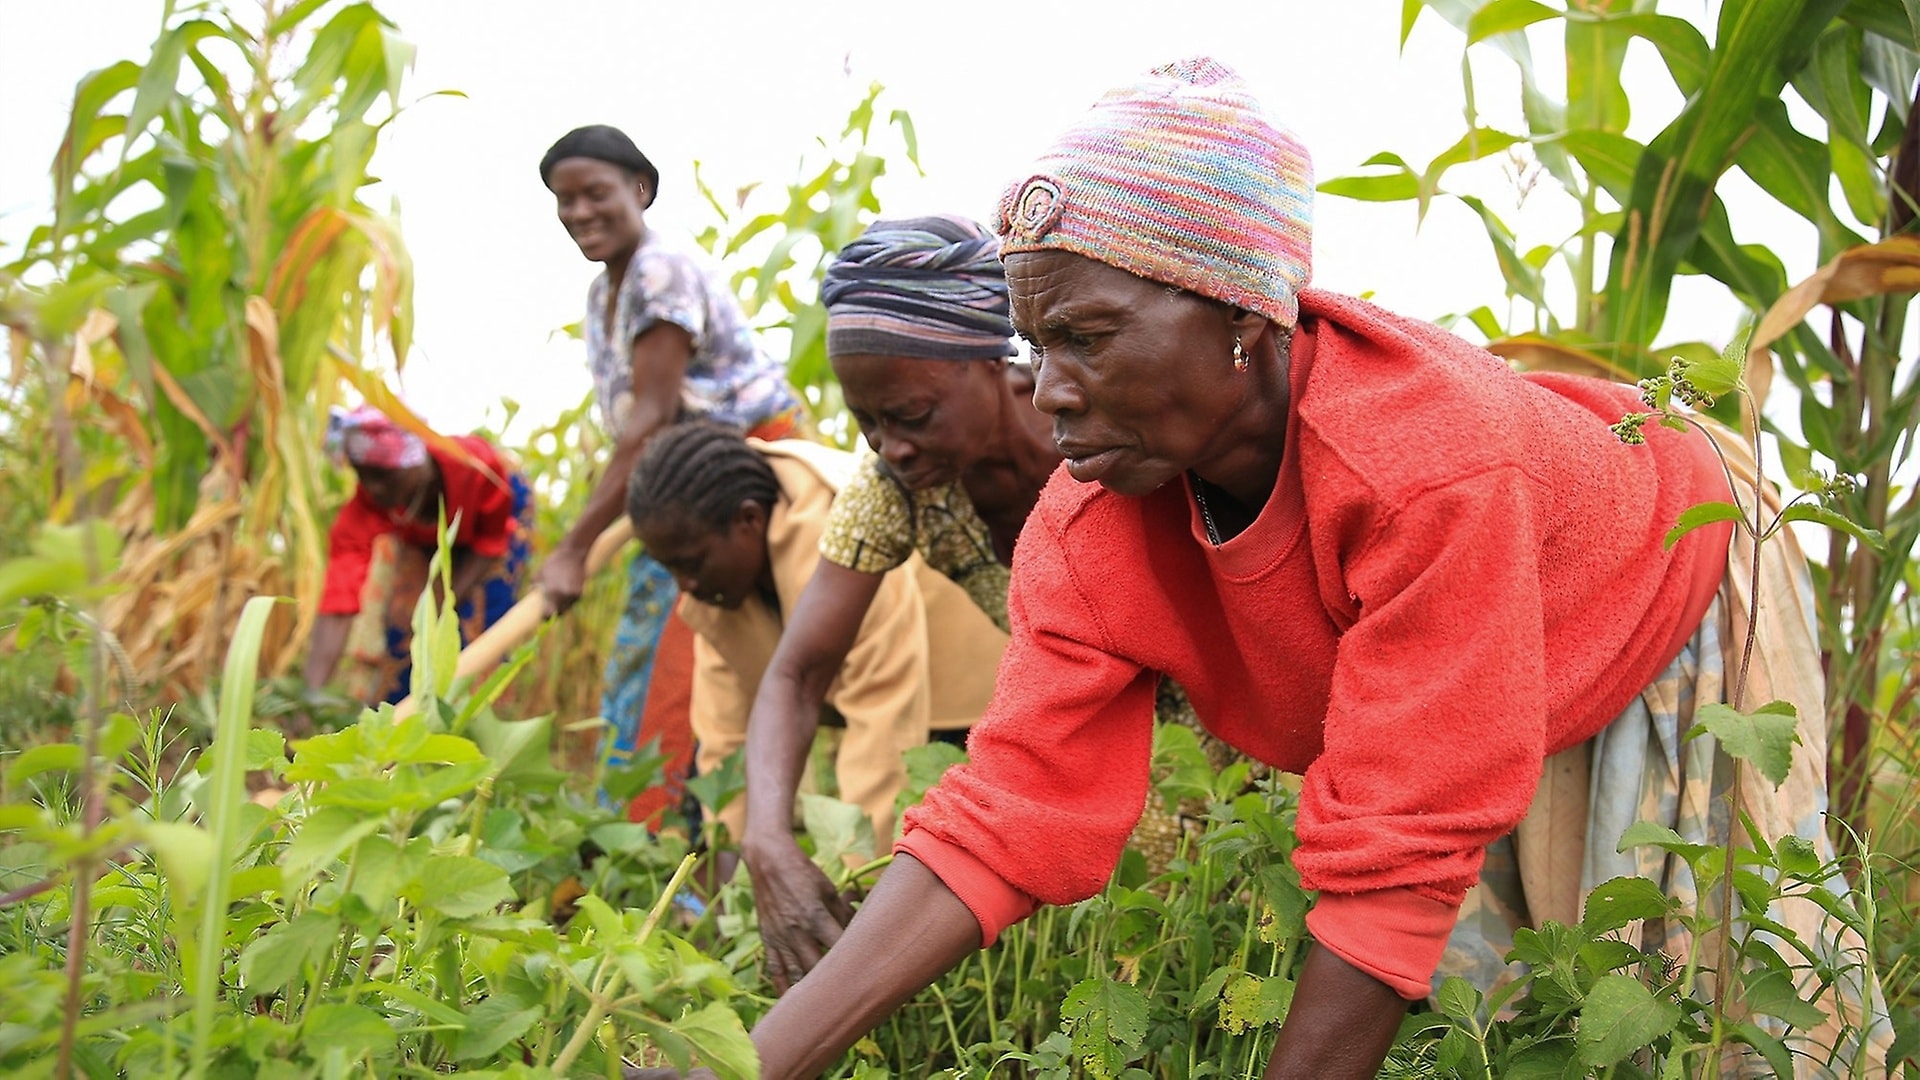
(928,287)
(1179,177)
(367,436)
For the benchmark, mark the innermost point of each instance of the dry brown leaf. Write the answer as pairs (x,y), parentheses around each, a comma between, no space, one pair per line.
(1531,352)
(1890,266)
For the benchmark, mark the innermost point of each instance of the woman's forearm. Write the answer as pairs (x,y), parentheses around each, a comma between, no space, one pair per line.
(822,629)
(469,570)
(911,930)
(1341,1024)
(324,646)
(785,718)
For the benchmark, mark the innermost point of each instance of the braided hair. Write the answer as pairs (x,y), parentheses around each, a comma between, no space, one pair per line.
(700,469)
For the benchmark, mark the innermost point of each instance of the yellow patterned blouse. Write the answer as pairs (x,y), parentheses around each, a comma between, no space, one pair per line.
(877,524)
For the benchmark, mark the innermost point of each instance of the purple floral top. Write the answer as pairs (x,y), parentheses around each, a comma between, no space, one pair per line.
(728,378)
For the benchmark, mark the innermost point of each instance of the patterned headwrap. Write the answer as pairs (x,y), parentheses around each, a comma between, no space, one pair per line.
(366,436)
(929,287)
(601,142)
(1179,177)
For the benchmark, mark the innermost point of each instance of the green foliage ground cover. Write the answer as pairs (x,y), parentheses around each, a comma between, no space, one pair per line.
(410,906)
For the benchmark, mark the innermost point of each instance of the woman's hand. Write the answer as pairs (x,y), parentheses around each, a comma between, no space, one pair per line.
(563,577)
(801,914)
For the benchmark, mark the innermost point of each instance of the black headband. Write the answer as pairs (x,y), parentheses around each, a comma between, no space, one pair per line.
(601,142)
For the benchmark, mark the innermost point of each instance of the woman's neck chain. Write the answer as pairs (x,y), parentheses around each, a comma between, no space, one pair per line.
(1206,512)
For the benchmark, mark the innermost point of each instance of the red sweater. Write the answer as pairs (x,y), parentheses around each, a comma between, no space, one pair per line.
(484,504)
(1459,573)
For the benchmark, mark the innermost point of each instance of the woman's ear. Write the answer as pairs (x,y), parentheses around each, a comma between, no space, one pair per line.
(1248,326)
(751,517)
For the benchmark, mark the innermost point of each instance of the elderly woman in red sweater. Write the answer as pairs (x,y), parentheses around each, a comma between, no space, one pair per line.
(1363,545)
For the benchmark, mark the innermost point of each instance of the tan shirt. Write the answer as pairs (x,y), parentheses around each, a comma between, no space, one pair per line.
(924,659)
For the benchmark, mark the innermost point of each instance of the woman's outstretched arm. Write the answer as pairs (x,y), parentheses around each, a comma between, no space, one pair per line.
(911,930)
(801,914)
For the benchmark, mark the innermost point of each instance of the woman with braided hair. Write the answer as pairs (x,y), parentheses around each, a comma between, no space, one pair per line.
(737,523)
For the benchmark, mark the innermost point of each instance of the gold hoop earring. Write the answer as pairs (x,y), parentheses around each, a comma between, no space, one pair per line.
(1239,354)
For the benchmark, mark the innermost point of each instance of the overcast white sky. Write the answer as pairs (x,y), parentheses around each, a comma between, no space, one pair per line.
(745,86)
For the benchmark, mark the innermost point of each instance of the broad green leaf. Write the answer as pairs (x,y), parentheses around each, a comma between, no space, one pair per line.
(1797,461)
(276,958)
(1797,856)
(1770,992)
(323,837)
(1835,520)
(606,922)
(186,852)
(438,1011)
(1779,1058)
(383,871)
(1618,1017)
(1695,517)
(1250,1001)
(355,1029)
(1645,833)
(1718,375)
(838,829)
(517,748)
(266,749)
(719,1041)
(1458,999)
(1501,16)
(492,1024)
(461,885)
(1107,1020)
(1614,904)
(50,757)
(1764,738)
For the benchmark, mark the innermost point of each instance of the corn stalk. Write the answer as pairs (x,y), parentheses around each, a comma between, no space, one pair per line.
(208,262)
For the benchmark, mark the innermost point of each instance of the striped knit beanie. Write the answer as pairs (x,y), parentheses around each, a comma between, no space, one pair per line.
(929,287)
(1179,177)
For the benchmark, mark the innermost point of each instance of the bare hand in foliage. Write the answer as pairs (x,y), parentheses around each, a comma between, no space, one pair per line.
(563,577)
(801,915)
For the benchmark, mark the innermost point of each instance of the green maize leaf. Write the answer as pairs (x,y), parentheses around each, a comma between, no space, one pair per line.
(1596,101)
(1502,16)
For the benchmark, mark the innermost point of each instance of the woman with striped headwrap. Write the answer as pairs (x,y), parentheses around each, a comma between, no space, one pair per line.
(918,335)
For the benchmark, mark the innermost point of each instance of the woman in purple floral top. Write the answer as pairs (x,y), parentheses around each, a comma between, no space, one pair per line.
(666,341)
